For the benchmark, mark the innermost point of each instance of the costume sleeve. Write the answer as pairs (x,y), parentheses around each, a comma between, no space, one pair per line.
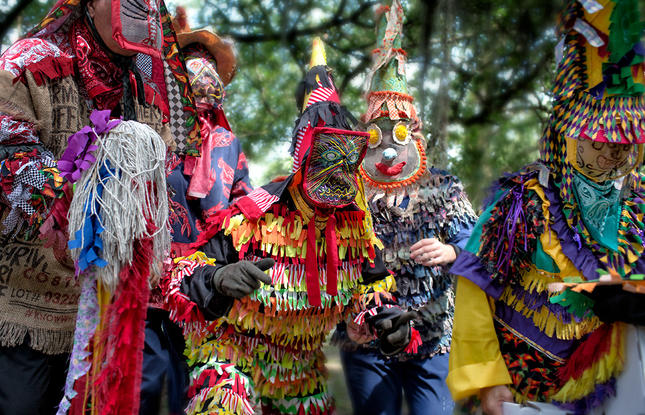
(29,178)
(475,358)
(376,289)
(198,285)
(241,182)
(459,240)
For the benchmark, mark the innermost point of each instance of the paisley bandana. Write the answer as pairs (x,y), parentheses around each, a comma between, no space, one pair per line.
(136,25)
(100,76)
(600,205)
(331,179)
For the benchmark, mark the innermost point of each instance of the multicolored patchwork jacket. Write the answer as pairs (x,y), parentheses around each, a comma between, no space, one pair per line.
(435,206)
(510,327)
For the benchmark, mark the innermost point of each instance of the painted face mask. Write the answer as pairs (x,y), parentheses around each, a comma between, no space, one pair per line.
(394,155)
(204,79)
(136,25)
(330,175)
(601,161)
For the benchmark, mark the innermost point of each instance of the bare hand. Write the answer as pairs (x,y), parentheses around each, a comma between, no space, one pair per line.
(359,333)
(493,397)
(430,252)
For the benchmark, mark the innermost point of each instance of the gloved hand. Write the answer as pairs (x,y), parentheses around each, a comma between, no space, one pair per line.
(393,328)
(612,303)
(242,278)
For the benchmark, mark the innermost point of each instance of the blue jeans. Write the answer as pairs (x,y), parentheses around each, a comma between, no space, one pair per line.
(376,386)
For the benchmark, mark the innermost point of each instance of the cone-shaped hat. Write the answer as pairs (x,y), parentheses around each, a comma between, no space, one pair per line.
(598,91)
(386,82)
(319,103)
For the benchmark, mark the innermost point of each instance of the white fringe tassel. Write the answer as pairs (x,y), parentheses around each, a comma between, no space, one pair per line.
(136,191)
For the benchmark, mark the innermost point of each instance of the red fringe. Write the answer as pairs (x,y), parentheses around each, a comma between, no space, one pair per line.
(49,68)
(119,382)
(415,342)
(589,352)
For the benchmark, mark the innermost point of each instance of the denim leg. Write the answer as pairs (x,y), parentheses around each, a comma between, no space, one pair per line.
(424,384)
(155,365)
(374,387)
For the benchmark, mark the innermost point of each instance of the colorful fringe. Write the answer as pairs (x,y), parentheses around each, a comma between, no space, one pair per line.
(273,336)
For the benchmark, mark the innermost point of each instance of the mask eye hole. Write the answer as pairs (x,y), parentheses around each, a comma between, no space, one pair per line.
(353,157)
(330,156)
(401,133)
(375,136)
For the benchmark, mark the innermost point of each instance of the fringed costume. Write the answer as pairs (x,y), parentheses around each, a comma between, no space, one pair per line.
(574,217)
(409,202)
(264,349)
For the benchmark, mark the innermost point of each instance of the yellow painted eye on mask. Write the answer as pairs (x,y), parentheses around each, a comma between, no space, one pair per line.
(401,133)
(375,136)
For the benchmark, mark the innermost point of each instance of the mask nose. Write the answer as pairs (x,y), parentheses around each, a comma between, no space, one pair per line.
(389,154)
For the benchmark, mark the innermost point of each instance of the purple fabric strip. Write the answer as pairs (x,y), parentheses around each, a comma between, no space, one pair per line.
(469,266)
(581,256)
(591,401)
(535,301)
(526,327)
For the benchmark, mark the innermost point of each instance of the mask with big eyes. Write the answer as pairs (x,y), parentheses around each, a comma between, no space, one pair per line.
(601,161)
(393,155)
(136,25)
(330,175)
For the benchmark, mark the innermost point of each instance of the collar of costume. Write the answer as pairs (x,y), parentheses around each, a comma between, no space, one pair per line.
(317,218)
(98,72)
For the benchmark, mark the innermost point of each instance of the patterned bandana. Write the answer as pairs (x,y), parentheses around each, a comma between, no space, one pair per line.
(330,177)
(600,205)
(136,25)
(100,76)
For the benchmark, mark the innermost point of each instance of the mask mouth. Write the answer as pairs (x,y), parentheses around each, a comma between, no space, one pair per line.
(390,170)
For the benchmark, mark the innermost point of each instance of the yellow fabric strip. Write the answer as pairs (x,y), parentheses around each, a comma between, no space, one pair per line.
(475,360)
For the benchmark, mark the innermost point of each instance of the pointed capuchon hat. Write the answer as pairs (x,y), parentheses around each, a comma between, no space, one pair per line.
(319,105)
(386,81)
(599,86)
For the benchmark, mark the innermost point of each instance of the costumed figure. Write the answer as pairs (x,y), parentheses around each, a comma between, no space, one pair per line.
(575,216)
(199,186)
(90,102)
(256,337)
(423,217)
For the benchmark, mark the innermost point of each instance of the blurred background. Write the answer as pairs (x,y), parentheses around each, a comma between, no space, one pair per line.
(480,71)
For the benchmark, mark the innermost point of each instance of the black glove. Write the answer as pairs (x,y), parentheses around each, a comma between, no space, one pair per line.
(242,278)
(393,328)
(612,303)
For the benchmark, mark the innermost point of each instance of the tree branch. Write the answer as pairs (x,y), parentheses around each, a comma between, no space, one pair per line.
(11,17)
(293,33)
